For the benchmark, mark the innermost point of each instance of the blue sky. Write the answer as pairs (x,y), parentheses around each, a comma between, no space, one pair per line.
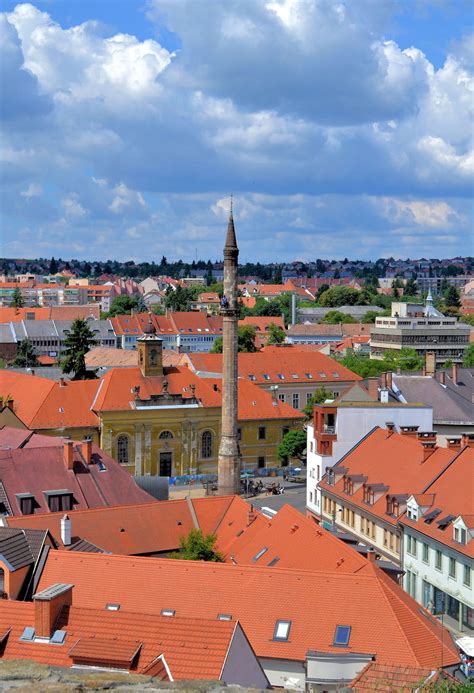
(343,129)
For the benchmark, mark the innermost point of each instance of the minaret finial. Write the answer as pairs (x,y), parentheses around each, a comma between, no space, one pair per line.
(231,241)
(231,205)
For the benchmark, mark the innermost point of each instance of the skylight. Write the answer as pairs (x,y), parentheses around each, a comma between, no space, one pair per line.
(282,630)
(251,376)
(266,376)
(224,617)
(112,607)
(335,375)
(322,374)
(274,561)
(259,554)
(28,634)
(58,637)
(168,612)
(295,375)
(342,636)
(281,376)
(309,376)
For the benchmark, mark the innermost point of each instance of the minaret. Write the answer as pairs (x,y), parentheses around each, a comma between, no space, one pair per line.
(229,455)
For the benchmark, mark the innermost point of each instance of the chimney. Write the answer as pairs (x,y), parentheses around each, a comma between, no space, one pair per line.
(383,380)
(389,375)
(373,387)
(68,449)
(428,449)
(384,395)
(48,606)
(426,436)
(251,516)
(86,447)
(468,439)
(390,426)
(370,554)
(430,363)
(61,382)
(442,377)
(455,374)
(66,526)
(408,430)
(454,443)
(10,402)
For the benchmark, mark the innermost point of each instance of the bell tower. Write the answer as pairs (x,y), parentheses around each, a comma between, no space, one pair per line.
(150,351)
(229,454)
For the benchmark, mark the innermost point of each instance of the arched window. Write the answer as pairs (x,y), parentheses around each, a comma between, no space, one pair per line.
(206,445)
(123,449)
(166,435)
(153,357)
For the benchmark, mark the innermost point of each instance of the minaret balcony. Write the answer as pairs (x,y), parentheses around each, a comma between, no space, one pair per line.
(229,312)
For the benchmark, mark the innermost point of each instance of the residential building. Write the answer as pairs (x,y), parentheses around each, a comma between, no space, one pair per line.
(262,327)
(40,474)
(422,328)
(208,302)
(316,314)
(290,374)
(338,425)
(53,630)
(435,284)
(322,333)
(449,392)
(48,336)
(365,493)
(86,312)
(438,540)
(368,614)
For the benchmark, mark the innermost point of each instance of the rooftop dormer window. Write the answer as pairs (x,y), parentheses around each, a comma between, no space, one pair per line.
(368,495)
(460,535)
(348,486)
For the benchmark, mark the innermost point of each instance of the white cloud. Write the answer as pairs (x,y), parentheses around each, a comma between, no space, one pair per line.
(124,199)
(435,214)
(72,207)
(33,190)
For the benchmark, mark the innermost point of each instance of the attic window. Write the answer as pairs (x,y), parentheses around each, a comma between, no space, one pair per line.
(322,374)
(259,554)
(112,607)
(342,636)
(252,377)
(101,467)
(28,634)
(335,375)
(282,630)
(27,503)
(274,561)
(432,515)
(58,637)
(167,612)
(309,376)
(460,535)
(281,376)
(224,617)
(266,376)
(295,376)
(445,521)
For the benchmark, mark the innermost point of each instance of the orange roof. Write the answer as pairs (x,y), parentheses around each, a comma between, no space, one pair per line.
(114,393)
(389,678)
(275,361)
(19,314)
(73,312)
(42,403)
(248,301)
(262,323)
(209,297)
(451,493)
(193,648)
(46,360)
(116,358)
(385,621)
(396,461)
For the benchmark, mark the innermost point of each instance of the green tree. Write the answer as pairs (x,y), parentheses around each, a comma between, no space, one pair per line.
(451,297)
(370,316)
(406,359)
(17,299)
(25,355)
(411,288)
(292,445)
(123,305)
(318,397)
(468,319)
(334,317)
(53,266)
(198,547)
(180,299)
(468,358)
(277,335)
(277,275)
(245,340)
(339,296)
(78,342)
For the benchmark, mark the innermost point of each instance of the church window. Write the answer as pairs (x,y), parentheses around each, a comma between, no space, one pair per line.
(123,449)
(166,435)
(206,445)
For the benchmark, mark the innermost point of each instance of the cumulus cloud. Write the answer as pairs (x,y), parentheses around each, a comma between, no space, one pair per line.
(324,128)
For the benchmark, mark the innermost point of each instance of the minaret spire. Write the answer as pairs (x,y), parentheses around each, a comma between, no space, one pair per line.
(229,455)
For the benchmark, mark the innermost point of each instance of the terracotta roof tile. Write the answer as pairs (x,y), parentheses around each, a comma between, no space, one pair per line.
(376,610)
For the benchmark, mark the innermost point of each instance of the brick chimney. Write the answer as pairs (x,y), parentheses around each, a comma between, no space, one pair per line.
(68,453)
(251,516)
(86,448)
(428,449)
(389,375)
(426,436)
(468,439)
(430,363)
(390,426)
(455,374)
(371,554)
(408,430)
(454,443)
(383,380)
(442,377)
(48,605)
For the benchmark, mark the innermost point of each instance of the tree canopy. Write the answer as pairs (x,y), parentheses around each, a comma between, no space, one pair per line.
(25,355)
(78,342)
(468,359)
(121,305)
(180,299)
(292,445)
(318,397)
(245,340)
(406,359)
(198,547)
(339,296)
(334,317)
(17,299)
(276,334)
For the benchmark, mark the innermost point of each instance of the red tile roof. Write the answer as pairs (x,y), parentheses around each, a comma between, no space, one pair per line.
(36,470)
(451,493)
(389,678)
(262,323)
(193,648)
(385,621)
(289,361)
(8,314)
(393,460)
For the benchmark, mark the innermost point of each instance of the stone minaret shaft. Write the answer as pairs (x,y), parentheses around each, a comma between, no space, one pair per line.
(229,455)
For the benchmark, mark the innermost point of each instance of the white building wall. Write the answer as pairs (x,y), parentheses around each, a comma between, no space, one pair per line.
(351,426)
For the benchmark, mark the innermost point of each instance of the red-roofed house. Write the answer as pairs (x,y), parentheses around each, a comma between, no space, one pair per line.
(353,618)
(292,375)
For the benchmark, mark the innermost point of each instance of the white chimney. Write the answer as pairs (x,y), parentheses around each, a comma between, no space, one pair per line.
(66,530)
(384,396)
